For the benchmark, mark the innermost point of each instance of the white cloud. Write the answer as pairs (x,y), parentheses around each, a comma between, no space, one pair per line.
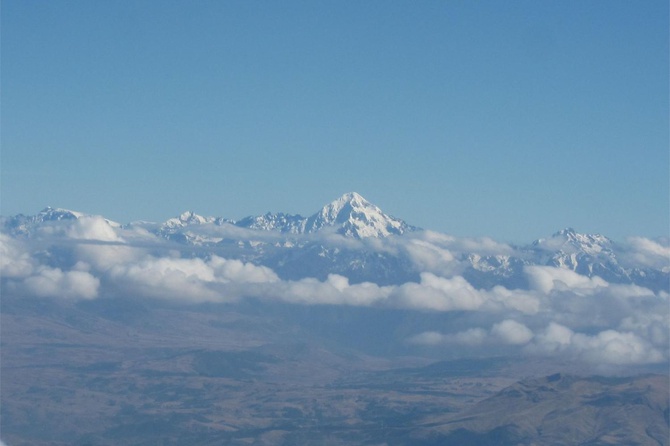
(555,338)
(507,332)
(104,247)
(562,313)
(431,258)
(606,347)
(438,293)
(15,261)
(469,337)
(547,279)
(646,252)
(53,282)
(189,279)
(482,246)
(335,290)
(238,271)
(511,332)
(92,228)
(500,298)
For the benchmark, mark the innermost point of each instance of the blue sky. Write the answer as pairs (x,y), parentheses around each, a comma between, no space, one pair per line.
(503,119)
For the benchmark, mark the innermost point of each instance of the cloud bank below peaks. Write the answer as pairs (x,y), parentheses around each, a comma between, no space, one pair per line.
(558,312)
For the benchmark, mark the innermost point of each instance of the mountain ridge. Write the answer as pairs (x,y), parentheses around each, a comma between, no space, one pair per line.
(297,247)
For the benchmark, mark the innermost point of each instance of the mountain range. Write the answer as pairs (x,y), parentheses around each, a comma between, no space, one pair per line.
(348,326)
(352,237)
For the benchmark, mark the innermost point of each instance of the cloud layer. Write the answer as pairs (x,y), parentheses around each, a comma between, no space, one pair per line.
(559,313)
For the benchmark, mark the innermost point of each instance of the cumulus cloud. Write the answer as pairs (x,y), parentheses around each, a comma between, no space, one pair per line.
(192,279)
(612,347)
(53,282)
(92,228)
(24,274)
(431,258)
(511,332)
(15,261)
(508,332)
(547,279)
(606,347)
(102,246)
(335,290)
(438,293)
(457,294)
(482,245)
(560,313)
(469,337)
(500,298)
(647,252)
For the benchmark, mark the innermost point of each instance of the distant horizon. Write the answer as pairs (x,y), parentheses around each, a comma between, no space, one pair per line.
(488,119)
(553,232)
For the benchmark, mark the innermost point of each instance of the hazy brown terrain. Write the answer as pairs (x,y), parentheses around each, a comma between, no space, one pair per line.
(106,372)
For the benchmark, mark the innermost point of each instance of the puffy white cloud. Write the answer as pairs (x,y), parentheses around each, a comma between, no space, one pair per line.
(599,306)
(547,278)
(189,279)
(445,255)
(511,332)
(100,245)
(482,246)
(165,278)
(614,347)
(646,252)
(92,228)
(429,257)
(507,332)
(469,337)
(555,338)
(438,293)
(15,260)
(651,325)
(335,290)
(500,298)
(53,282)
(24,274)
(238,271)
(457,294)
(562,313)
(606,347)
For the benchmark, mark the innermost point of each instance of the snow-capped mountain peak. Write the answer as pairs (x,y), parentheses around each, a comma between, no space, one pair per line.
(294,255)
(24,225)
(355,217)
(57,214)
(185,219)
(350,215)
(588,254)
(285,223)
(568,240)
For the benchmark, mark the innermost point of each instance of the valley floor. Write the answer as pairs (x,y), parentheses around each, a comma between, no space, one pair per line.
(112,373)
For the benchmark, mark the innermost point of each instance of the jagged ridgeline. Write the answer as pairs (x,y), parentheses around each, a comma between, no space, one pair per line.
(354,238)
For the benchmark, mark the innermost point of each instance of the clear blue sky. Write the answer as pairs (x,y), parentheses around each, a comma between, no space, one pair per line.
(506,119)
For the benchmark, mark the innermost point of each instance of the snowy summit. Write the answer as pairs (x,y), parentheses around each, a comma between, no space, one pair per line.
(356,217)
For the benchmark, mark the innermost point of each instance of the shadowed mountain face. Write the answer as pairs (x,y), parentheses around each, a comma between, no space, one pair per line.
(563,410)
